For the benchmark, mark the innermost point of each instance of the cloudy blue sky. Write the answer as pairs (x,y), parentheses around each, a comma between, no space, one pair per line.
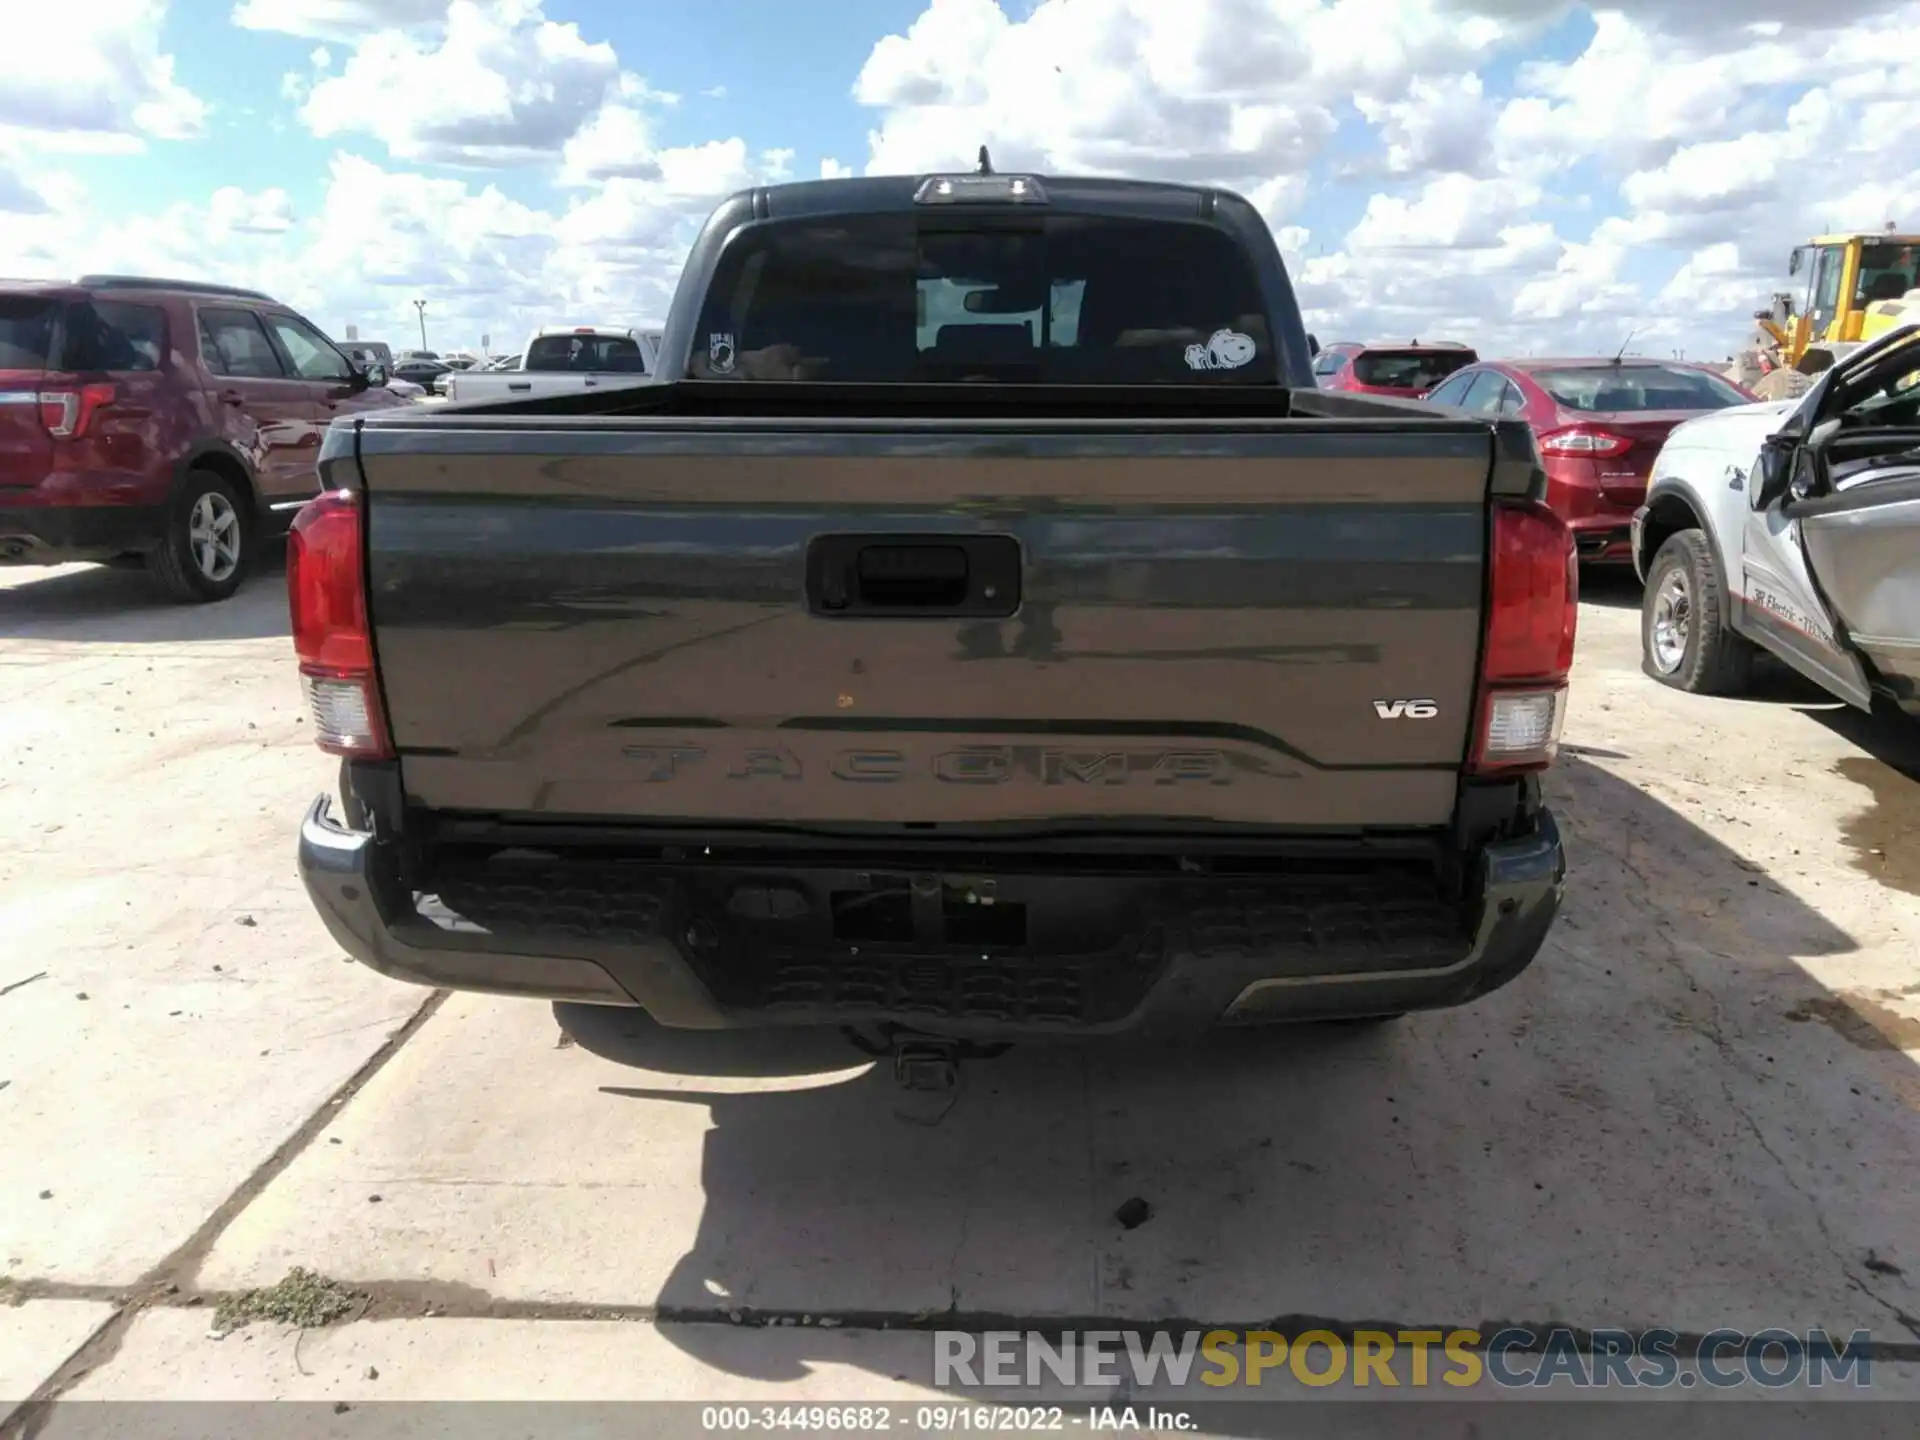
(1522,174)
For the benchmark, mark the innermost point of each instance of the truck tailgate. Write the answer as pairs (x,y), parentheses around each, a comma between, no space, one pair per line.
(1218,623)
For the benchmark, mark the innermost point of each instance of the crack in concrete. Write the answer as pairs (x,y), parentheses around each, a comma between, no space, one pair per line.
(1907,1322)
(413,1300)
(168,1283)
(959,1243)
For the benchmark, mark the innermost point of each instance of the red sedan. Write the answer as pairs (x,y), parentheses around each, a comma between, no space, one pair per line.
(1599,424)
(1408,371)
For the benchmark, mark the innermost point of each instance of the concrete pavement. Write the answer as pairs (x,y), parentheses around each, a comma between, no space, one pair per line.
(1699,1108)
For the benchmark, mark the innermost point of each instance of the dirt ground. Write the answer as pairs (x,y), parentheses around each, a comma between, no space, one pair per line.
(1699,1108)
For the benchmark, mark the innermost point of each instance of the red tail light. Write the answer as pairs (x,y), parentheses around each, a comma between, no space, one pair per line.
(1584,442)
(327,595)
(1532,612)
(66,414)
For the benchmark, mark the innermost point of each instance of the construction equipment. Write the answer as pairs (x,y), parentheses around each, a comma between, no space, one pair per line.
(1851,288)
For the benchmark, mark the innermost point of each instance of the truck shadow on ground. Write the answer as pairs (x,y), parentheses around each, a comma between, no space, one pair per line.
(1666,1120)
(103,604)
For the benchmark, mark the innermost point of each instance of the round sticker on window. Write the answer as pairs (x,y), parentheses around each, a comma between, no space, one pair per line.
(720,353)
(1224,350)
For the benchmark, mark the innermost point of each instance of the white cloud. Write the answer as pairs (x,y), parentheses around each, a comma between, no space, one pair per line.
(615,142)
(337,19)
(486,262)
(1104,86)
(1713,279)
(491,84)
(233,211)
(19,196)
(498,85)
(93,77)
(1428,171)
(1556,210)
(1439,124)
(1583,282)
(1451,212)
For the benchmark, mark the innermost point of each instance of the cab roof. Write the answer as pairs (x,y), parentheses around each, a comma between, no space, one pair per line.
(1895,237)
(1415,346)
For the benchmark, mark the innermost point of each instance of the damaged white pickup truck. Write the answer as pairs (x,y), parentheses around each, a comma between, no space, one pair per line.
(1792,526)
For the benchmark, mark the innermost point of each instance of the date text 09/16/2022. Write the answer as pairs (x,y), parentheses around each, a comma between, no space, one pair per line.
(943,1418)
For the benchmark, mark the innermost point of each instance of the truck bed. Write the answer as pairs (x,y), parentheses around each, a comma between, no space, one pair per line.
(622,607)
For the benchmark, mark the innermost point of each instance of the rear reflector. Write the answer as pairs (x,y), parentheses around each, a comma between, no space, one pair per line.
(327,597)
(1533,607)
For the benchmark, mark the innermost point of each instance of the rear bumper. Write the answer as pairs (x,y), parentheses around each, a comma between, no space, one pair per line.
(1600,516)
(692,947)
(1603,538)
(56,534)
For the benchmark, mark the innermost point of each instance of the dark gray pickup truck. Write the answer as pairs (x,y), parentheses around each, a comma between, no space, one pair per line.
(982,628)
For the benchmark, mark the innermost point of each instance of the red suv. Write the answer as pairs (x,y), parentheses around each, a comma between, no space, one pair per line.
(1599,424)
(161,419)
(1408,371)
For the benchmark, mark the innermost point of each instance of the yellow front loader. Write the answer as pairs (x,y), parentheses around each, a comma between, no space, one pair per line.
(1849,289)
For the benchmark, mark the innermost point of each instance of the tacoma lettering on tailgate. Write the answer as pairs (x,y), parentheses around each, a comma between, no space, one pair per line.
(970,765)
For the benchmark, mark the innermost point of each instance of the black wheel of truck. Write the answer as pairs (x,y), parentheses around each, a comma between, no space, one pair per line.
(208,543)
(1684,642)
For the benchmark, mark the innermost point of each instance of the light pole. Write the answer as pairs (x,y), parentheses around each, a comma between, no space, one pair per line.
(421,306)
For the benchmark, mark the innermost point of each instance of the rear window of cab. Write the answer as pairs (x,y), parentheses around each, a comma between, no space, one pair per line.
(1409,369)
(1070,299)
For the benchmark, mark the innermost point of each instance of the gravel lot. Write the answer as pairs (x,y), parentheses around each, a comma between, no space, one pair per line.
(1699,1108)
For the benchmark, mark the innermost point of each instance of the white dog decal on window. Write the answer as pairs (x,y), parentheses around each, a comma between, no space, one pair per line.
(1224,350)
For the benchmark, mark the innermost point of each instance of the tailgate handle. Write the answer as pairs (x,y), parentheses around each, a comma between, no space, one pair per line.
(913,575)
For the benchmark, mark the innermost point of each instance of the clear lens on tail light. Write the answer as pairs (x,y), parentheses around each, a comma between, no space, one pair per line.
(327,600)
(1522,725)
(346,720)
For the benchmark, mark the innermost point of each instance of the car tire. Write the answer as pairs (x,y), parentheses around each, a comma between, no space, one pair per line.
(208,543)
(1685,642)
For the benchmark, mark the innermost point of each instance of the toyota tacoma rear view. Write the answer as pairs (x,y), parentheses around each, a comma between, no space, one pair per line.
(982,628)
